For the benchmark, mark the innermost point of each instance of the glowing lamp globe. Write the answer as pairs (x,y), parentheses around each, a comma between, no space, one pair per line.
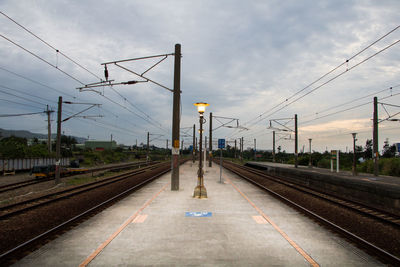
(201,107)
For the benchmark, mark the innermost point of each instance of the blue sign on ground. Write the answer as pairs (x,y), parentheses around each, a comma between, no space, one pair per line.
(198,214)
(398,147)
(191,148)
(221,143)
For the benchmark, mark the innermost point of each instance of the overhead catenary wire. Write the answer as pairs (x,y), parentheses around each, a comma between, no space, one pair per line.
(339,111)
(21,97)
(347,109)
(40,58)
(97,122)
(257,134)
(49,45)
(75,62)
(351,101)
(22,92)
(21,114)
(62,92)
(21,104)
(333,78)
(38,83)
(150,119)
(326,74)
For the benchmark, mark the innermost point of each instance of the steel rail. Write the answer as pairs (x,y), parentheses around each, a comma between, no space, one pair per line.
(13,186)
(52,197)
(60,226)
(384,255)
(383,216)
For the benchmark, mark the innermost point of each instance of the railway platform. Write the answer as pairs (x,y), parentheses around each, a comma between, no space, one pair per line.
(237,225)
(378,180)
(380,192)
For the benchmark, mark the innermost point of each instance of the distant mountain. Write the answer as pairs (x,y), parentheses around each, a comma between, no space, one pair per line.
(29,135)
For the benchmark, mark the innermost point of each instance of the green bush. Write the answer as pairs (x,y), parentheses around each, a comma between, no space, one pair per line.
(324,163)
(36,151)
(391,166)
(304,160)
(387,166)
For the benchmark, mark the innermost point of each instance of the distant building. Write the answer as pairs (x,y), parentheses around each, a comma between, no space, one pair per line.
(100,145)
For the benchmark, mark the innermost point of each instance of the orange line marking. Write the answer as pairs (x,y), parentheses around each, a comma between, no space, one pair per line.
(260,220)
(291,242)
(119,230)
(140,219)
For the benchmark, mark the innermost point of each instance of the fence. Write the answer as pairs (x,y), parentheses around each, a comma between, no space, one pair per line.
(7,165)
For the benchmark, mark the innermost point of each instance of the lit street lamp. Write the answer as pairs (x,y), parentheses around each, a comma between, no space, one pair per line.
(200,191)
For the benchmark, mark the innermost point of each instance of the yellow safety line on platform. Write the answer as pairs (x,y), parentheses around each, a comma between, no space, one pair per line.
(291,242)
(122,227)
(140,219)
(260,220)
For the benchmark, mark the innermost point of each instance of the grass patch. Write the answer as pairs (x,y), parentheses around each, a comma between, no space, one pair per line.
(81,180)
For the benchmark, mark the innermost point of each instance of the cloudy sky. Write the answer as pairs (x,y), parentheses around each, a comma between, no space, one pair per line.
(255,61)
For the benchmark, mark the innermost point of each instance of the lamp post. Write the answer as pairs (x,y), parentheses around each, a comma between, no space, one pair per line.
(354,154)
(200,191)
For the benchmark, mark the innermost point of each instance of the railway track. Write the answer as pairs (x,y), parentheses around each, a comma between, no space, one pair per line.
(267,182)
(58,214)
(362,209)
(23,206)
(14,186)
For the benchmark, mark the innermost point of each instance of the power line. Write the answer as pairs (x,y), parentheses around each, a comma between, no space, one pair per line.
(17,103)
(22,92)
(40,58)
(17,115)
(131,111)
(326,74)
(347,109)
(331,79)
(20,46)
(351,101)
(27,99)
(148,116)
(48,87)
(49,45)
(36,82)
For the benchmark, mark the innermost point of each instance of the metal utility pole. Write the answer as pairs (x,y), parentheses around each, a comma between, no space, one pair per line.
(310,161)
(235,148)
(375,137)
(194,143)
(147,147)
(111,143)
(241,149)
(58,142)
(49,129)
(205,150)
(182,147)
(176,120)
(273,146)
(296,141)
(210,149)
(167,145)
(354,154)
(255,153)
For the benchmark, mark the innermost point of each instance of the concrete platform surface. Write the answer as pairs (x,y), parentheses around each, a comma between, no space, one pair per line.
(237,225)
(392,181)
